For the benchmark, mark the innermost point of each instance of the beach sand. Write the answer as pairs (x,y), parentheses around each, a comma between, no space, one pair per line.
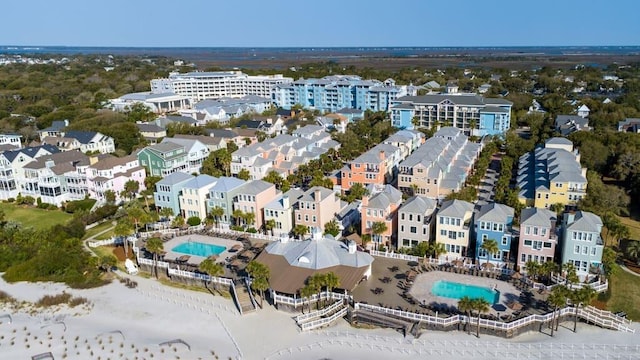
(124,323)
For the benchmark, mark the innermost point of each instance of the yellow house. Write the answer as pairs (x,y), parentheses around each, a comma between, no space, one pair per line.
(551,175)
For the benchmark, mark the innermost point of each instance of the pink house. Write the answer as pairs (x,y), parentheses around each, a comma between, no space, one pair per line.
(316,207)
(252,197)
(382,206)
(112,173)
(538,238)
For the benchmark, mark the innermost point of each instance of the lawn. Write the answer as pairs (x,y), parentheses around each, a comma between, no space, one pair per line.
(98,229)
(31,216)
(633,225)
(625,294)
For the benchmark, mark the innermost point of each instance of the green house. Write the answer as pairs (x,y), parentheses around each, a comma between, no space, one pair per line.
(164,159)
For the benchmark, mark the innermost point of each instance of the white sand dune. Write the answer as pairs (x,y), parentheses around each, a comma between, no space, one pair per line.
(152,314)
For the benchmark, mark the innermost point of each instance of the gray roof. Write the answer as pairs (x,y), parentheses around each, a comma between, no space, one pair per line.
(165,147)
(559,141)
(187,143)
(84,137)
(226,184)
(321,253)
(150,128)
(495,212)
(56,125)
(310,195)
(221,133)
(455,208)
(381,200)
(277,204)
(175,178)
(584,221)
(418,205)
(30,151)
(538,217)
(255,187)
(201,181)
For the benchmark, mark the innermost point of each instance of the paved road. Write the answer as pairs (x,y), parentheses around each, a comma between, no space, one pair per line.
(486,190)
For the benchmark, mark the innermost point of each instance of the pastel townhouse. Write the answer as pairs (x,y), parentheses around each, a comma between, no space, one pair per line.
(415,221)
(252,197)
(376,167)
(494,221)
(168,191)
(12,163)
(280,212)
(582,243)
(381,206)
(164,158)
(196,152)
(84,141)
(151,132)
(10,142)
(56,178)
(440,166)
(454,228)
(112,173)
(538,238)
(222,195)
(406,140)
(194,196)
(316,207)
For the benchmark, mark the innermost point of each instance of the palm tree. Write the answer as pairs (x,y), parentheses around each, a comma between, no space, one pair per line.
(217,212)
(548,268)
(557,299)
(269,225)
(211,268)
(579,297)
(331,281)
(377,229)
(332,228)
(490,246)
(166,212)
(532,268)
(249,218)
(123,228)
(238,215)
(300,231)
(465,304)
(570,274)
(437,249)
(260,274)
(155,246)
(316,282)
(472,126)
(633,250)
(481,305)
(306,292)
(366,238)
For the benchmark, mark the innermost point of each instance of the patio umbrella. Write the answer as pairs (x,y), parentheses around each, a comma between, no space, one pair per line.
(248,254)
(458,262)
(487,266)
(213,257)
(516,275)
(515,306)
(237,263)
(236,247)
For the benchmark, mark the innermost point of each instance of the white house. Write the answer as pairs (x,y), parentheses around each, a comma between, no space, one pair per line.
(195,192)
(196,151)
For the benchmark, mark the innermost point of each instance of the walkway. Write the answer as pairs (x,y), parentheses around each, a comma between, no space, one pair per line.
(93,237)
(623,267)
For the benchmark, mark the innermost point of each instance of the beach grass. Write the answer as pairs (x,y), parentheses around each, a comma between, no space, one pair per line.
(625,294)
(633,225)
(98,229)
(31,216)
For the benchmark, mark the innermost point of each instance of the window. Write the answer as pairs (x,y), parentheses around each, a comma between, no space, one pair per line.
(547,245)
(443,232)
(585,250)
(460,234)
(453,235)
(576,249)
(593,251)
(413,230)
(306,218)
(523,258)
(527,230)
(535,230)
(457,222)
(402,216)
(544,231)
(313,219)
(441,220)
(505,240)
(402,228)
(527,243)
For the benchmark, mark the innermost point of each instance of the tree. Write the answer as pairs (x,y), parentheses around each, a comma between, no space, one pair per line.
(217,212)
(532,268)
(155,246)
(557,299)
(366,238)
(306,292)
(110,196)
(316,282)
(377,229)
(490,246)
(178,222)
(481,306)
(331,281)
(269,225)
(548,268)
(465,305)
(244,174)
(123,229)
(581,297)
(238,216)
(332,228)
(249,218)
(570,273)
(633,250)
(260,274)
(356,192)
(609,257)
(194,221)
(300,231)
(210,267)
(130,190)
(166,212)
(437,249)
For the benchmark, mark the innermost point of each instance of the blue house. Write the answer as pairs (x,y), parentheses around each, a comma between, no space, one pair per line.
(169,188)
(494,221)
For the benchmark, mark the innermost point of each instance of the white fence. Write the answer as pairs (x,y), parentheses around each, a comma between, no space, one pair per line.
(112,241)
(176,232)
(197,276)
(160,264)
(324,321)
(398,256)
(601,318)
(295,302)
(597,286)
(318,313)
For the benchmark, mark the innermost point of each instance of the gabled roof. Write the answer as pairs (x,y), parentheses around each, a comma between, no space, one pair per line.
(558,141)
(188,144)
(255,187)
(110,162)
(60,163)
(495,212)
(310,195)
(175,178)
(455,208)
(538,217)
(584,221)
(293,195)
(30,151)
(418,205)
(221,133)
(56,125)
(164,147)
(201,181)
(226,184)
(150,128)
(383,199)
(84,137)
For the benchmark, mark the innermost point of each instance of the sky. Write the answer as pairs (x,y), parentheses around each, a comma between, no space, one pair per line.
(319,23)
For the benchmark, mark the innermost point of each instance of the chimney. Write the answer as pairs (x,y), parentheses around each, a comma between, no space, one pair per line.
(352,247)
(317,194)
(316,234)
(365,201)
(285,201)
(381,155)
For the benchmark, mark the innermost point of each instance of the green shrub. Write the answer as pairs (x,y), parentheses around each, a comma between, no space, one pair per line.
(10,200)
(252,230)
(194,221)
(85,204)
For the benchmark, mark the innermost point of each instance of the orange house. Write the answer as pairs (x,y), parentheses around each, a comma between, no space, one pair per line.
(382,206)
(372,167)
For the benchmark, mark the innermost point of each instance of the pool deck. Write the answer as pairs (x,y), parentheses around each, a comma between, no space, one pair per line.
(421,288)
(194,259)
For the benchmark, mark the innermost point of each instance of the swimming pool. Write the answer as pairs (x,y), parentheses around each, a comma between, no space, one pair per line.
(199,249)
(455,290)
